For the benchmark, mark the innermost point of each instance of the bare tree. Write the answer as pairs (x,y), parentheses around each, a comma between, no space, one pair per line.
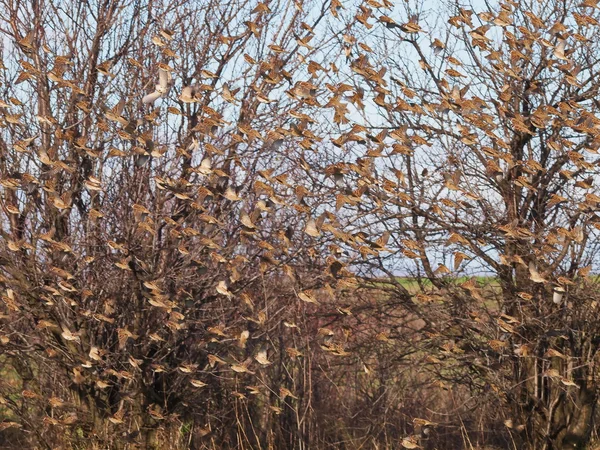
(482,138)
(151,256)
(211,210)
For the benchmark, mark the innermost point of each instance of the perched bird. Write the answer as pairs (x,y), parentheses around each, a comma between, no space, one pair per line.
(165,80)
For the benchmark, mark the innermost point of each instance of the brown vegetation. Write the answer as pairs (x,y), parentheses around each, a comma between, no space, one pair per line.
(205,207)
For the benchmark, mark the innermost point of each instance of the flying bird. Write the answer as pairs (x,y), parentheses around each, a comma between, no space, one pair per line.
(534,274)
(559,50)
(189,94)
(165,80)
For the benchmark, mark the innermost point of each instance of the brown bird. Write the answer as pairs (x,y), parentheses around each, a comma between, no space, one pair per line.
(189,94)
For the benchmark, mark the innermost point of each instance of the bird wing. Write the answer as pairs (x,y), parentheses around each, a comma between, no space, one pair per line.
(164,79)
(151,98)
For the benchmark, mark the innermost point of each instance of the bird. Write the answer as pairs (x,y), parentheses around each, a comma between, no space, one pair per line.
(189,94)
(534,274)
(165,81)
(559,50)
(437,46)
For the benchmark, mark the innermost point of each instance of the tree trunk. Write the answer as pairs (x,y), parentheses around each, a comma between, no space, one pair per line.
(558,417)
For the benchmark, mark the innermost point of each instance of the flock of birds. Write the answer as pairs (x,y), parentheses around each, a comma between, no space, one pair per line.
(304,91)
(452,98)
(189,94)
